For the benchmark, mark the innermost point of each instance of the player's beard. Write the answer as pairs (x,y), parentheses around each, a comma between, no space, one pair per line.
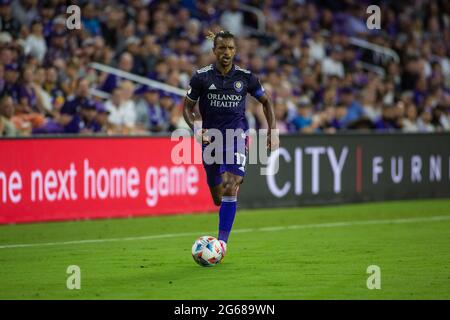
(226,62)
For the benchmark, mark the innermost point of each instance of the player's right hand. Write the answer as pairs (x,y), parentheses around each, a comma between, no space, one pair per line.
(201,136)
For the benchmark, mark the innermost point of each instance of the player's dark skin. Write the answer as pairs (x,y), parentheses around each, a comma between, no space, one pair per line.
(225,50)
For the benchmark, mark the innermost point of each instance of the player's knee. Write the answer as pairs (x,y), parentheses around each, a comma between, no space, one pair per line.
(230,186)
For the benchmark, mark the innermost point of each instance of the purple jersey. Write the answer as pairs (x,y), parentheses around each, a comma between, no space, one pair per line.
(222,97)
(222,106)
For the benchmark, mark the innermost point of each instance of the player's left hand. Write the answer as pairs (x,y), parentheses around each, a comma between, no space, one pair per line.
(273,140)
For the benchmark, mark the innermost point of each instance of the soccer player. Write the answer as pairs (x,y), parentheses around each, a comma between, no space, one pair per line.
(220,90)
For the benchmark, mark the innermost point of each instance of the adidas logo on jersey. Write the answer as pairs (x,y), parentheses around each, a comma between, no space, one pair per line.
(212,87)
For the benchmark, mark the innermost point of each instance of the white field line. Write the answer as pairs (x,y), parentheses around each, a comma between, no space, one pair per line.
(265,229)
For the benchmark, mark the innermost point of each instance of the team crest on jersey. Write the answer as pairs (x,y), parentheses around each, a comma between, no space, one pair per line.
(238,86)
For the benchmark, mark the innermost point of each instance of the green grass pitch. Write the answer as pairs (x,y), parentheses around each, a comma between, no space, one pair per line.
(297,253)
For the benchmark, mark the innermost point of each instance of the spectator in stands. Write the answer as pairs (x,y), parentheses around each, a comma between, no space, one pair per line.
(332,65)
(177,120)
(59,46)
(440,119)
(340,114)
(128,90)
(11,82)
(102,119)
(164,119)
(388,120)
(84,120)
(124,35)
(303,122)
(8,22)
(7,128)
(89,19)
(305,51)
(424,122)
(316,46)
(46,14)
(355,110)
(232,19)
(28,114)
(113,19)
(147,110)
(2,77)
(68,83)
(114,103)
(281,112)
(285,93)
(27,95)
(150,52)
(409,123)
(43,98)
(35,44)
(64,122)
(122,114)
(206,11)
(25,10)
(111,81)
(325,119)
(142,23)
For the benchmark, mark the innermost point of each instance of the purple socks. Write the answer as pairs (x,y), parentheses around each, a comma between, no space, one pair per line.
(226,216)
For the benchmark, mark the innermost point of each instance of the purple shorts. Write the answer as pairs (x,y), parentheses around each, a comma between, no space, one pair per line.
(232,159)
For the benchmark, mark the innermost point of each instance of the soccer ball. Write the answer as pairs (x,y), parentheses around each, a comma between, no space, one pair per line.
(207,251)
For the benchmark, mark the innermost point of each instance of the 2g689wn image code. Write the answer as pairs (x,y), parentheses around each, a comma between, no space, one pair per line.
(226,310)
(244,309)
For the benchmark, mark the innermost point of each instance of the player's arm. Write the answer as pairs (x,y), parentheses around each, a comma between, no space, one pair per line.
(192,96)
(268,110)
(190,101)
(188,112)
(272,136)
(192,120)
(257,91)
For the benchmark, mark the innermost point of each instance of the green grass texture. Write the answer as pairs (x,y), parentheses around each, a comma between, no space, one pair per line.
(290,253)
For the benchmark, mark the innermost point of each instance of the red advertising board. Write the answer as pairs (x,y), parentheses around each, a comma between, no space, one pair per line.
(80,178)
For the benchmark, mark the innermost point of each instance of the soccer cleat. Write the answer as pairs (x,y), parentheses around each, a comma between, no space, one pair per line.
(223,244)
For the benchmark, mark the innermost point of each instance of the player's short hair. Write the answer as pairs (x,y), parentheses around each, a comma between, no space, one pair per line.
(221,34)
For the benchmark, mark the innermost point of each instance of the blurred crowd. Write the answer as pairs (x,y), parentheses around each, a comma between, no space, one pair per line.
(305,60)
